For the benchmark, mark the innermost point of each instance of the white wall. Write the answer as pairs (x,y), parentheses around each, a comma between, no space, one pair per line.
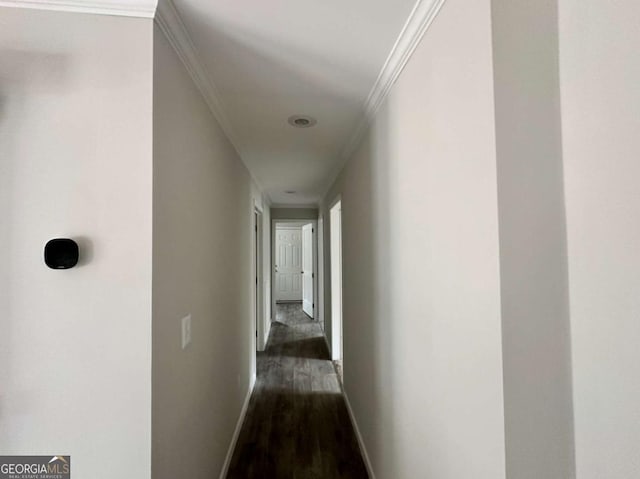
(294,213)
(600,74)
(533,258)
(422,330)
(203,266)
(75,161)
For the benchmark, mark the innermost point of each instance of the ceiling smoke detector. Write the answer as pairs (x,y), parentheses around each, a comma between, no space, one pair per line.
(302,121)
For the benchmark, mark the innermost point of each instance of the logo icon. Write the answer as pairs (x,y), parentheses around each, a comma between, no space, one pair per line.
(35,467)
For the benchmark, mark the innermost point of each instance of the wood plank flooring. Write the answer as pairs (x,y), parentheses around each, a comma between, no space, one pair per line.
(297,425)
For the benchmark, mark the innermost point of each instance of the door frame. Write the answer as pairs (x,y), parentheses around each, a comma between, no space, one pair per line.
(258,273)
(336,299)
(291,295)
(274,222)
(314,267)
(320,272)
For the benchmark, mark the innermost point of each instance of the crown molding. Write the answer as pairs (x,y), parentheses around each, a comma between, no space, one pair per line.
(170,23)
(139,8)
(174,29)
(419,21)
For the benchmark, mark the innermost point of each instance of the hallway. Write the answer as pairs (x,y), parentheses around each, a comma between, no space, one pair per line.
(297,424)
(448,187)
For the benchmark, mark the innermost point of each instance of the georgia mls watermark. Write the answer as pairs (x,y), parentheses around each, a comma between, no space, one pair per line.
(35,467)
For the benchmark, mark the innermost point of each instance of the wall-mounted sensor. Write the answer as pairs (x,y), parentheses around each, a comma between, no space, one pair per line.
(61,253)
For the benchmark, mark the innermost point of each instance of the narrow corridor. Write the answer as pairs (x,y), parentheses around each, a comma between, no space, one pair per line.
(297,424)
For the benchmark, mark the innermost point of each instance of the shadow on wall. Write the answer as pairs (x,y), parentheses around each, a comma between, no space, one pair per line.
(25,76)
(367,256)
(368,250)
(86,247)
(536,340)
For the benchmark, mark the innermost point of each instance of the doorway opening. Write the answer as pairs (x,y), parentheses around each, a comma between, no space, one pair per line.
(294,264)
(335,253)
(320,273)
(259,275)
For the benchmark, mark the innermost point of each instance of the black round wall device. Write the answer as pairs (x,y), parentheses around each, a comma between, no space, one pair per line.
(61,253)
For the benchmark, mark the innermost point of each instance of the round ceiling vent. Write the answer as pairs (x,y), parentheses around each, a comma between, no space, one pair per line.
(302,121)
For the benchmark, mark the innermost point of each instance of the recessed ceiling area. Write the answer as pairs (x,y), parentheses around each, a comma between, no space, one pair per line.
(273,60)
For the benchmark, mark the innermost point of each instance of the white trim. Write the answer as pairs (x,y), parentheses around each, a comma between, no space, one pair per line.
(321,257)
(363,449)
(274,224)
(257,206)
(258,265)
(236,433)
(336,355)
(337,198)
(171,24)
(420,18)
(144,9)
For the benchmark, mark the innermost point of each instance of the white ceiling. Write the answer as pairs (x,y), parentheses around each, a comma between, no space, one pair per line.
(273,59)
(258,62)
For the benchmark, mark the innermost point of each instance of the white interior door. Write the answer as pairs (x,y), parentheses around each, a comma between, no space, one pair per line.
(307,269)
(288,266)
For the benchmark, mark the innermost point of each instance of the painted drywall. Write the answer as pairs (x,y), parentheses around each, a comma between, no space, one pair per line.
(75,161)
(203,229)
(294,213)
(600,74)
(421,296)
(533,257)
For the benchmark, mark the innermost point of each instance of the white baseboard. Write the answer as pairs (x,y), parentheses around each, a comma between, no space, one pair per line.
(363,449)
(236,433)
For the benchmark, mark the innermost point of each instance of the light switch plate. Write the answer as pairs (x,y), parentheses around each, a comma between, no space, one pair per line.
(186,331)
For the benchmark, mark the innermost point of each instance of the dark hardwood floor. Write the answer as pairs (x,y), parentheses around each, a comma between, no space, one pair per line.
(297,425)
